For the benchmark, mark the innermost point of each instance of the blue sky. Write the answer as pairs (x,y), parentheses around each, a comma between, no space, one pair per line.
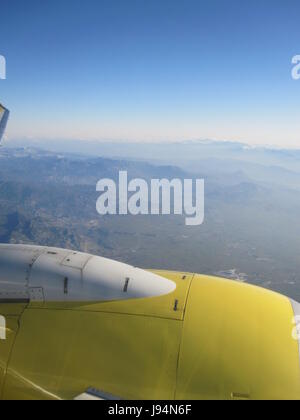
(152,70)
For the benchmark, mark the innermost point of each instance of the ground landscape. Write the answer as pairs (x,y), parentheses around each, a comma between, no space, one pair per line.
(251,231)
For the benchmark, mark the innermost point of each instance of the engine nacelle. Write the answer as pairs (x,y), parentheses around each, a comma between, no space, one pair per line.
(75,323)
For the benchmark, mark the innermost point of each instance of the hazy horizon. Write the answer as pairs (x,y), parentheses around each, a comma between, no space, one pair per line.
(25,141)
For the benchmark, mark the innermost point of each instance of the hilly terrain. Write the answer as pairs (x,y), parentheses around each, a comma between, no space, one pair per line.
(251,231)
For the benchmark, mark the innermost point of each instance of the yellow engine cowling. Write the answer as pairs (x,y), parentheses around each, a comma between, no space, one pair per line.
(237,343)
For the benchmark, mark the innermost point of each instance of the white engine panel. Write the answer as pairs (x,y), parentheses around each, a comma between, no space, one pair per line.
(56,275)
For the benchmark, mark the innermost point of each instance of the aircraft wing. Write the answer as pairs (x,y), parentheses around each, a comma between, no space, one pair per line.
(4,114)
(93,394)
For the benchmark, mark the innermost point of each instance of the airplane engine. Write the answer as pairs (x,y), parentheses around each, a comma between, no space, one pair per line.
(77,326)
